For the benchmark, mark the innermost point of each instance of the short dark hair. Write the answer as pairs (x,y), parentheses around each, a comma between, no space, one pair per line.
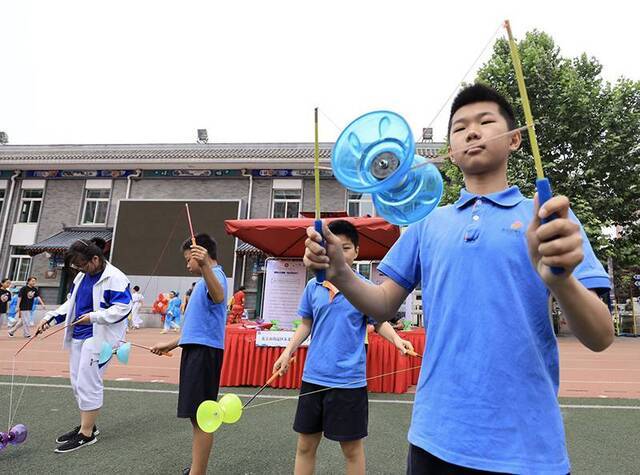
(32,277)
(136,288)
(341,227)
(205,241)
(4,280)
(85,250)
(482,93)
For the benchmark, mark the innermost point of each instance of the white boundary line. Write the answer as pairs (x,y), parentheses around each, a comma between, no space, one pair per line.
(274,396)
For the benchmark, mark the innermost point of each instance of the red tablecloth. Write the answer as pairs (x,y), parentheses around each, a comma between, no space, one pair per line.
(245,364)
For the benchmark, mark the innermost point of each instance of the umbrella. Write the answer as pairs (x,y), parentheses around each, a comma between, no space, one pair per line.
(285,237)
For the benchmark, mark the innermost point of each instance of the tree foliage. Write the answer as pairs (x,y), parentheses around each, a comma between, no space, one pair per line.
(588,131)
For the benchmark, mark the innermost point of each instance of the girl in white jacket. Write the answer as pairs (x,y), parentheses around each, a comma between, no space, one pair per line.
(98,306)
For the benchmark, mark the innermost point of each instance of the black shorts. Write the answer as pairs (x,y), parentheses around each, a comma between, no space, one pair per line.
(421,462)
(200,369)
(342,414)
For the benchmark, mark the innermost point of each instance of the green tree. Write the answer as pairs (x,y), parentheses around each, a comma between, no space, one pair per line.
(588,131)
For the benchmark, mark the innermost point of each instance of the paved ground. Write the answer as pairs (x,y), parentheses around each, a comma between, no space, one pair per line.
(614,373)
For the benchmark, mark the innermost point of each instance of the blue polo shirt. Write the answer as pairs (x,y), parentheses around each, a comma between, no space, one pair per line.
(487,393)
(204,320)
(336,355)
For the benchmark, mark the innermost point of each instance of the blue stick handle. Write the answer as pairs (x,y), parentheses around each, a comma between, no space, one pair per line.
(320,274)
(543,186)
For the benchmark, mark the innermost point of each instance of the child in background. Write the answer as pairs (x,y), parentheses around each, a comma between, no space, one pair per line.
(160,307)
(137,298)
(5,300)
(334,375)
(172,318)
(13,308)
(185,299)
(27,298)
(202,343)
(237,306)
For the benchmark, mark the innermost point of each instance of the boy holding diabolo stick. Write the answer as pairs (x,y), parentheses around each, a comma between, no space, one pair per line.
(202,342)
(487,395)
(333,398)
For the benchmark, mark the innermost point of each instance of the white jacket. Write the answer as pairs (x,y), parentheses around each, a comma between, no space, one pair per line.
(111,307)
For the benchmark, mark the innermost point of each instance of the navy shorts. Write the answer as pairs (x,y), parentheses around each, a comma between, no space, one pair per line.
(342,414)
(421,462)
(200,368)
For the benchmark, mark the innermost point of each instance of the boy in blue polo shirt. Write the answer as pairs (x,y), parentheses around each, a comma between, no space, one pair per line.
(202,343)
(335,368)
(487,394)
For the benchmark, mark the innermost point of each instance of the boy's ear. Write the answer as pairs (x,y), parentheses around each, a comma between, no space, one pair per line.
(453,160)
(357,251)
(516,141)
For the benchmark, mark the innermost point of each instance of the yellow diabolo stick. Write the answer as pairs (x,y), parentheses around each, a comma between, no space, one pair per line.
(320,274)
(316,167)
(528,116)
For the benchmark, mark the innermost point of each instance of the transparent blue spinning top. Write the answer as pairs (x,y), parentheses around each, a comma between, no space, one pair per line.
(376,154)
(107,351)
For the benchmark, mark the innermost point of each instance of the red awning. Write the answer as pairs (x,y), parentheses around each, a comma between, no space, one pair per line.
(285,237)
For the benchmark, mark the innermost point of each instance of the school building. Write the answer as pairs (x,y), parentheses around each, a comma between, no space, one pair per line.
(133,196)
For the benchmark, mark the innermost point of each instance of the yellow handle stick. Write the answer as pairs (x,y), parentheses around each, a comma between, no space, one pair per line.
(515,57)
(321,273)
(316,168)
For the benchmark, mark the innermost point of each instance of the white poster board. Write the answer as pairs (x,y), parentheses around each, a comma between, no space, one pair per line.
(284,284)
(276,338)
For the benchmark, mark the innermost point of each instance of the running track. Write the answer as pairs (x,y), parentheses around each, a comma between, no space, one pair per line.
(614,373)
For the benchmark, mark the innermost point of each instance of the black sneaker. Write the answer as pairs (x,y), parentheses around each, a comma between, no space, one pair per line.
(77,442)
(72,433)
(186,471)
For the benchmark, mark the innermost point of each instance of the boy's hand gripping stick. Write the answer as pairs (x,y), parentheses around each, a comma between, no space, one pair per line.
(321,274)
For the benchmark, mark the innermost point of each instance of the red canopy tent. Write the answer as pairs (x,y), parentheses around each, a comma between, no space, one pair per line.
(285,237)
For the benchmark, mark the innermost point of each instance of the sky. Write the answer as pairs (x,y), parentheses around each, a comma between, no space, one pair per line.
(138,71)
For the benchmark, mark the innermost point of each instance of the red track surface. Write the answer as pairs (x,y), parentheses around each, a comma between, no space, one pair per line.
(614,373)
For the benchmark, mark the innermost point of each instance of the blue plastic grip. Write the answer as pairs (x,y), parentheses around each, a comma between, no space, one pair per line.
(543,186)
(321,273)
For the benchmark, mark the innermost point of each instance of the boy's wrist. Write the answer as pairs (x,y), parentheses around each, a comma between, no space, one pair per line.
(342,275)
(562,286)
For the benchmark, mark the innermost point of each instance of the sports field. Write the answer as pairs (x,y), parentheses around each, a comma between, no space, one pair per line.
(140,433)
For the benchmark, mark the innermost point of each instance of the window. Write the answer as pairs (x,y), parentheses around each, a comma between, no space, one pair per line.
(2,192)
(286,203)
(96,203)
(30,206)
(359,204)
(19,266)
(363,268)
